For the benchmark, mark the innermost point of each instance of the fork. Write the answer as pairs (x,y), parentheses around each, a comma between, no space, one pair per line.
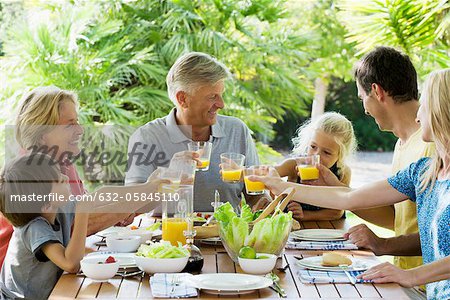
(345,269)
(276,287)
(175,282)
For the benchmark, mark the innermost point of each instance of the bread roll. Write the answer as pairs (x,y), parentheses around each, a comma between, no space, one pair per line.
(331,259)
(295,225)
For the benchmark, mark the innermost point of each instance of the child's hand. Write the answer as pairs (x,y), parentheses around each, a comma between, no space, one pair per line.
(297,210)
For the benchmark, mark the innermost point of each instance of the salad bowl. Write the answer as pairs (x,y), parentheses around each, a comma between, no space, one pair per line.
(268,235)
(161,257)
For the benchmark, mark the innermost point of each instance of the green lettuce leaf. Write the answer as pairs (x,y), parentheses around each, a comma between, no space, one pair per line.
(246,211)
(225,213)
(162,249)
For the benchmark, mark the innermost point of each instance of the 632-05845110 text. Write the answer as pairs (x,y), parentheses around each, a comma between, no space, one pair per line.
(115,197)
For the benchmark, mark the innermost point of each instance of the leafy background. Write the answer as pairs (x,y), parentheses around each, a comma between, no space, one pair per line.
(115,55)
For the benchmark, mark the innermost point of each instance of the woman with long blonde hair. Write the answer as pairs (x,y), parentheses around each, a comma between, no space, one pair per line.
(427,182)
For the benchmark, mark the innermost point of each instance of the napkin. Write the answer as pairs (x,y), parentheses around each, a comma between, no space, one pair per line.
(329,245)
(164,286)
(310,276)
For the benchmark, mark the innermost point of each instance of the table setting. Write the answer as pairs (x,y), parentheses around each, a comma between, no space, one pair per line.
(229,251)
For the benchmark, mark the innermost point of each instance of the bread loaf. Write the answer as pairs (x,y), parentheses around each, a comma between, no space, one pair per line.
(332,259)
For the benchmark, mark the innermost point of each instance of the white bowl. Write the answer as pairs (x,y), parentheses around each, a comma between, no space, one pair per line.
(258,266)
(145,234)
(92,268)
(161,265)
(123,244)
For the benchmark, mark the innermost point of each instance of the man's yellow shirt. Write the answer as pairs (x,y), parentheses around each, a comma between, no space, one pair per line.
(406,211)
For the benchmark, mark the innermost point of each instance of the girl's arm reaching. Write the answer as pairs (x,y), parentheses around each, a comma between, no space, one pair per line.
(380,193)
(69,258)
(288,168)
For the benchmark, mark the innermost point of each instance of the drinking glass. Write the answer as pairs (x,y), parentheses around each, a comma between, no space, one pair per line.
(232,165)
(307,167)
(204,150)
(255,187)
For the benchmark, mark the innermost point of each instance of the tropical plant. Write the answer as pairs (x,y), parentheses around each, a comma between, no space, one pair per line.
(417,27)
(115,55)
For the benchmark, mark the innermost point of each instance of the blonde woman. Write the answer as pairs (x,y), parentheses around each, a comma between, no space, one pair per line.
(331,136)
(427,182)
(47,122)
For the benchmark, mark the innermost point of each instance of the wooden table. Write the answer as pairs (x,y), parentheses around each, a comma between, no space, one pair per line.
(71,286)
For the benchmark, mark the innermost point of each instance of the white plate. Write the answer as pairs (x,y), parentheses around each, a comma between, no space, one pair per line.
(111,230)
(296,239)
(123,231)
(211,241)
(226,283)
(126,260)
(319,234)
(315,263)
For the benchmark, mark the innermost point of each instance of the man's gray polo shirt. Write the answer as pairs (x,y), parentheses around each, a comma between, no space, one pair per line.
(157,141)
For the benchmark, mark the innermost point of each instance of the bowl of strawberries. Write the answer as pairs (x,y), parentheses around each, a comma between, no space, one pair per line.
(99,268)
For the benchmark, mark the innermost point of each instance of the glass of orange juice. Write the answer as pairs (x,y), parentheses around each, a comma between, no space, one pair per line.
(204,150)
(255,187)
(232,165)
(177,212)
(307,167)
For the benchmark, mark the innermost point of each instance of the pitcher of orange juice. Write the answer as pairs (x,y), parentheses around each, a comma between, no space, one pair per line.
(177,212)
(307,167)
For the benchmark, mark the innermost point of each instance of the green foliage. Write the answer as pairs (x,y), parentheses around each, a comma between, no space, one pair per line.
(335,56)
(418,27)
(267,155)
(116,54)
(343,30)
(9,12)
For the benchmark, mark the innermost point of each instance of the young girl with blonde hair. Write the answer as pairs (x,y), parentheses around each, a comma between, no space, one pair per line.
(331,137)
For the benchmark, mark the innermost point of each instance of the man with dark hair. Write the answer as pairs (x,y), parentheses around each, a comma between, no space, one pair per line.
(387,86)
(391,70)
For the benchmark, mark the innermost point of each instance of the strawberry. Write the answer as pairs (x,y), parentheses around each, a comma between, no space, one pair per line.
(110,260)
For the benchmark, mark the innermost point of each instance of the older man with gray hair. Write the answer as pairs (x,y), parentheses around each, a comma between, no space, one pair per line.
(195,84)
